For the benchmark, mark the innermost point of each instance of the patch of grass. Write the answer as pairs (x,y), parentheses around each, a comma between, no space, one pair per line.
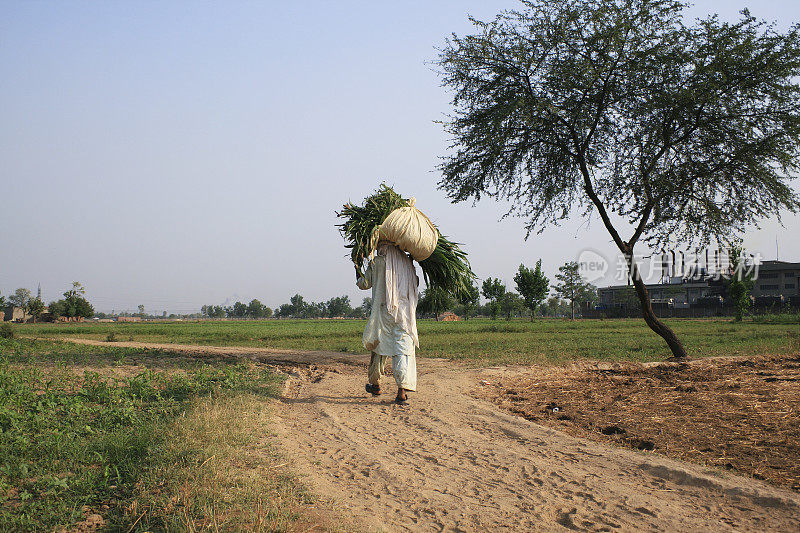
(157,449)
(778,318)
(219,473)
(6,331)
(481,341)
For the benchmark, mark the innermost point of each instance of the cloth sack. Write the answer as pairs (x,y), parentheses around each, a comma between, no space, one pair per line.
(411,231)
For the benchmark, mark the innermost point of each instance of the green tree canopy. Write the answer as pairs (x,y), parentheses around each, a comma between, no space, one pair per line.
(555,306)
(533,285)
(20,298)
(434,301)
(366,306)
(339,306)
(35,308)
(73,305)
(298,305)
(510,304)
(493,290)
(469,298)
(572,286)
(255,309)
(239,310)
(740,284)
(616,107)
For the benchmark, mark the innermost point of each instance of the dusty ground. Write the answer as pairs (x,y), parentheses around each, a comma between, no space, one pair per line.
(453,462)
(737,414)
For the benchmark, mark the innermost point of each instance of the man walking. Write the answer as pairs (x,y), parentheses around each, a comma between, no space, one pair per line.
(392,326)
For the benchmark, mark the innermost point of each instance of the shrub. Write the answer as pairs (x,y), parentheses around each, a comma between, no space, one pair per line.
(111,337)
(6,331)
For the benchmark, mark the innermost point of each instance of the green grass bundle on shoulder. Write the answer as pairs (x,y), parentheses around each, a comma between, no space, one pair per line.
(446,268)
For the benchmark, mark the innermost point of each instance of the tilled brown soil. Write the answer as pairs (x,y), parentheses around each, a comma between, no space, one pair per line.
(736,414)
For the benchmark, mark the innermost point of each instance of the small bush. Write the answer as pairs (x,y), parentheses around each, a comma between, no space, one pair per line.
(6,331)
(111,337)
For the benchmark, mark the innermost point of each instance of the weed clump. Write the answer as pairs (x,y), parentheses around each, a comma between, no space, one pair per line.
(111,337)
(6,331)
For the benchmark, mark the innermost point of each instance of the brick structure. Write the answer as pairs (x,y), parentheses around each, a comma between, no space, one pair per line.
(15,314)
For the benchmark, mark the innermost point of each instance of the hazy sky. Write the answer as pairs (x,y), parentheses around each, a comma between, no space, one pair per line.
(174,154)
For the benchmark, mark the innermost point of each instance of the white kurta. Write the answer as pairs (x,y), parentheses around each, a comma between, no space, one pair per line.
(386,335)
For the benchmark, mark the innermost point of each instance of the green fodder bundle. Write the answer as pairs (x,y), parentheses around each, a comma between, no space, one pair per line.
(360,228)
(446,268)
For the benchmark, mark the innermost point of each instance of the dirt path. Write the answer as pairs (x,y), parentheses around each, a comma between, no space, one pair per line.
(451,462)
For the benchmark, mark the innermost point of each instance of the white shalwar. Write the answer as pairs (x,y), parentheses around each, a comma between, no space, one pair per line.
(392,326)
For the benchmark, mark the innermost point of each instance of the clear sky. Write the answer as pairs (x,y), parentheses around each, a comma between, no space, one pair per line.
(175,154)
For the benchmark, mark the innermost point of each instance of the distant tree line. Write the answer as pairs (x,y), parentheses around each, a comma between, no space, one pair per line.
(572,293)
(73,305)
(255,309)
(297,307)
(533,298)
(336,307)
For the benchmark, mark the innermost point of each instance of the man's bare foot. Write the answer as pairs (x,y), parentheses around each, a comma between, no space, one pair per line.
(375,390)
(402,397)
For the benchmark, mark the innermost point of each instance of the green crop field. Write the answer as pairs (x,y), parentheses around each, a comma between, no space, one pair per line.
(127,437)
(482,341)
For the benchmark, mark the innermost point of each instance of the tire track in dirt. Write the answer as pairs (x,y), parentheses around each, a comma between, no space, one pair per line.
(451,462)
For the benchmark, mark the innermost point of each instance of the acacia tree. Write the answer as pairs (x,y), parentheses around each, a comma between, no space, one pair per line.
(533,285)
(669,132)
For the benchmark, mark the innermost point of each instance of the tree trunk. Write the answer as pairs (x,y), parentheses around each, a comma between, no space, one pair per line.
(678,351)
(572,306)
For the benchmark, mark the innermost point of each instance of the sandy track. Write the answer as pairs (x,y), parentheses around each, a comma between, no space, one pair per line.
(451,462)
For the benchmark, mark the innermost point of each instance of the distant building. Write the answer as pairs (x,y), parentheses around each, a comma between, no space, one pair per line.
(13,313)
(679,295)
(776,284)
(777,278)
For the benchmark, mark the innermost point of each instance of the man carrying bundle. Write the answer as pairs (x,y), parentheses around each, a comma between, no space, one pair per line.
(384,229)
(392,326)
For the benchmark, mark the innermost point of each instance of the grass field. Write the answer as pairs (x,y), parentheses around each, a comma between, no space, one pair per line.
(482,341)
(153,440)
(108,438)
